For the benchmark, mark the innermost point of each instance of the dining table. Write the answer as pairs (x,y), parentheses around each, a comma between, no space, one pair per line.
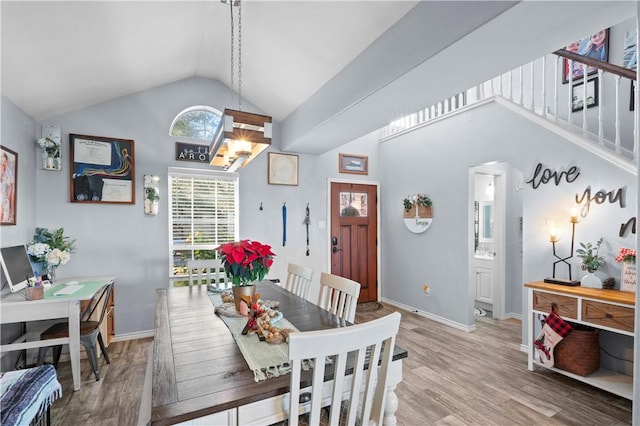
(199,372)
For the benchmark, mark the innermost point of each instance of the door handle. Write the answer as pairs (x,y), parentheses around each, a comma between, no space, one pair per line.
(335,249)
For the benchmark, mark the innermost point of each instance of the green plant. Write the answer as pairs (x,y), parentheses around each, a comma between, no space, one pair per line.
(588,252)
(152,194)
(417,199)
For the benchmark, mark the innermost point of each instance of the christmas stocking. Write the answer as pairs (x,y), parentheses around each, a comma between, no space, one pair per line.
(553,331)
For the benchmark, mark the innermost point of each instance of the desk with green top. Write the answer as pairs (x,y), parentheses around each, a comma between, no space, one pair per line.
(15,308)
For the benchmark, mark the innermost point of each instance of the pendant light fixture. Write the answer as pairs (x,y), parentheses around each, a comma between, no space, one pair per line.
(241,135)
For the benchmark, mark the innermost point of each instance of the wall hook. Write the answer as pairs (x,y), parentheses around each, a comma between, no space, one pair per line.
(261,206)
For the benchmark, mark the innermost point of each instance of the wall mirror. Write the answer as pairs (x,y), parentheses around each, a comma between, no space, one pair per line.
(486,221)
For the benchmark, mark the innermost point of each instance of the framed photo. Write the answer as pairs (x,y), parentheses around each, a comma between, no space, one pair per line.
(596,46)
(356,164)
(283,169)
(102,170)
(9,185)
(577,95)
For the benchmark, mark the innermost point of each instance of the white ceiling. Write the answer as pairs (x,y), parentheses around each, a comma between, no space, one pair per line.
(326,70)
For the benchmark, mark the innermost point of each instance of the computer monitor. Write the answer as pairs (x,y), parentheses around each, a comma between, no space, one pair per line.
(16,266)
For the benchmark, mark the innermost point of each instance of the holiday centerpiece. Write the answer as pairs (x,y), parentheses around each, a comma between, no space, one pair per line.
(50,250)
(245,262)
(628,259)
(591,261)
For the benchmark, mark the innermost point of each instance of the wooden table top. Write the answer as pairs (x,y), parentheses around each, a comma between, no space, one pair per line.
(197,367)
(616,296)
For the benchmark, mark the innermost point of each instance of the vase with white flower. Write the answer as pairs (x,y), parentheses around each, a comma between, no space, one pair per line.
(51,150)
(50,250)
(245,262)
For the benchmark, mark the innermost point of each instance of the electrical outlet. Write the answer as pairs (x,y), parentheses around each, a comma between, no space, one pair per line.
(427,290)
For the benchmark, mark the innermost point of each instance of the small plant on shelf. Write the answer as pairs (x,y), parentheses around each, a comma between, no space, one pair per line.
(589,253)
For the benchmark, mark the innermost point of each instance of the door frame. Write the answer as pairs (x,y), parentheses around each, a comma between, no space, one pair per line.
(499,271)
(328,230)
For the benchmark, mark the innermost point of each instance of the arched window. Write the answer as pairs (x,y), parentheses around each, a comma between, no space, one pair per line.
(197,122)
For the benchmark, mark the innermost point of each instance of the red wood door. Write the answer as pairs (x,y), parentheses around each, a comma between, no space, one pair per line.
(354,232)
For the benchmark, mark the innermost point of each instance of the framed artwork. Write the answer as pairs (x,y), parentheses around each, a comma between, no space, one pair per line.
(192,152)
(283,169)
(356,164)
(596,46)
(632,100)
(577,95)
(9,185)
(630,52)
(102,170)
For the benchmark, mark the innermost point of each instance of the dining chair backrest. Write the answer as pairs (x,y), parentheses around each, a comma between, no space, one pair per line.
(99,302)
(207,272)
(369,343)
(339,295)
(298,280)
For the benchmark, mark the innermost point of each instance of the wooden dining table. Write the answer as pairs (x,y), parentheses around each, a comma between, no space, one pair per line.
(200,373)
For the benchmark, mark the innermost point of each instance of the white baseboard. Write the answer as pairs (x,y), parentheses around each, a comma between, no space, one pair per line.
(132,336)
(436,318)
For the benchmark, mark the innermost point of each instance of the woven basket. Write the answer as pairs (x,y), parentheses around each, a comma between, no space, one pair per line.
(579,351)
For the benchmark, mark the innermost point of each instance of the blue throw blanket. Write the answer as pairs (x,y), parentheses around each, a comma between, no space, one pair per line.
(25,394)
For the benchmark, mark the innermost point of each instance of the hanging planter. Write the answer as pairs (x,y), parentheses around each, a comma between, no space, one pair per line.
(418,213)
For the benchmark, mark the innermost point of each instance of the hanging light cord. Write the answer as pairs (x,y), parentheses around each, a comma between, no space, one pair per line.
(240,56)
(233,92)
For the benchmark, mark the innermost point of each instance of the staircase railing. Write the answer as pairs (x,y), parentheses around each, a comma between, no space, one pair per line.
(606,122)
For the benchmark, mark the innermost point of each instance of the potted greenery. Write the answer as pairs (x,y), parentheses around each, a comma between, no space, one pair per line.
(417,205)
(591,261)
(151,199)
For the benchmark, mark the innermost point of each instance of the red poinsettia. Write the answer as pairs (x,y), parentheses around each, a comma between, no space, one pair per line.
(246,261)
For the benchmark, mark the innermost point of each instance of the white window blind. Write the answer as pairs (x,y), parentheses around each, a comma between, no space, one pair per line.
(203,215)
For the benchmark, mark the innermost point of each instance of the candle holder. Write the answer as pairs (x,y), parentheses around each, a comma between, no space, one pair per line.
(554,240)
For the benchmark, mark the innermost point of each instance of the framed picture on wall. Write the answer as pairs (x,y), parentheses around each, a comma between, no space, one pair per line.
(357,164)
(596,46)
(102,170)
(9,185)
(577,95)
(632,100)
(283,169)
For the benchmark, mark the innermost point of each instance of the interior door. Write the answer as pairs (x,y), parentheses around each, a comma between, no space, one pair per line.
(354,231)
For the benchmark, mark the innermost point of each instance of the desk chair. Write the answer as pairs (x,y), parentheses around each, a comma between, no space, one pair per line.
(369,343)
(89,331)
(207,272)
(298,280)
(339,296)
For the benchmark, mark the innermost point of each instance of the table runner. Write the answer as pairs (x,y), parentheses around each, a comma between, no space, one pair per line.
(264,359)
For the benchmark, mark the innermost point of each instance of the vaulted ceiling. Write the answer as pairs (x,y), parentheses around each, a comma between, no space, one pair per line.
(327,71)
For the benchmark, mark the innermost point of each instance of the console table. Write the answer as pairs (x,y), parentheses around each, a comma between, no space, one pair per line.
(610,310)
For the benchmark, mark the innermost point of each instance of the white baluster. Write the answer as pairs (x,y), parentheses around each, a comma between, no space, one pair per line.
(521,103)
(617,122)
(584,102)
(600,121)
(555,86)
(544,88)
(531,87)
(570,97)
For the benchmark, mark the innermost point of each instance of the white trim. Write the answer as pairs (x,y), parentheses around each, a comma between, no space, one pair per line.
(436,318)
(133,336)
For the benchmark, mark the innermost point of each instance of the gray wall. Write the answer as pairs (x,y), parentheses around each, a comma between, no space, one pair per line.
(436,160)
(18,134)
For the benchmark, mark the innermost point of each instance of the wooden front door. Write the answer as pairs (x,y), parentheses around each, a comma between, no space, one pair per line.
(354,233)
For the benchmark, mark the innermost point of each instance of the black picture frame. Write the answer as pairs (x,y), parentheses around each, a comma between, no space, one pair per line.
(577,95)
(102,170)
(9,194)
(582,47)
(632,98)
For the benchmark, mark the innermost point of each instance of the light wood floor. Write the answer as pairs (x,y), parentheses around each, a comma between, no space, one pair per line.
(450,378)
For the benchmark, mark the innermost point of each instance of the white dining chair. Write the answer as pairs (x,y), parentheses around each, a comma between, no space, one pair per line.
(207,272)
(372,343)
(298,280)
(339,295)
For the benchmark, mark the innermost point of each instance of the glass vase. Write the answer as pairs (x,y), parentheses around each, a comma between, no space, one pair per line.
(51,272)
